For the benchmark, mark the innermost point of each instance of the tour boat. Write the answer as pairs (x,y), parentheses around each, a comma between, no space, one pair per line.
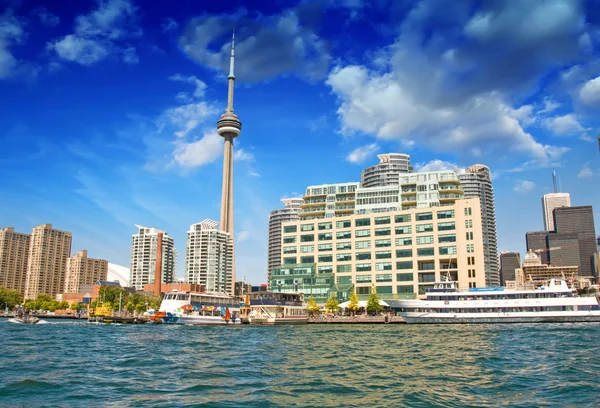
(197,308)
(274,308)
(550,303)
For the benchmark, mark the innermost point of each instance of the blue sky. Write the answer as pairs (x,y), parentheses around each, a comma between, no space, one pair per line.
(109,108)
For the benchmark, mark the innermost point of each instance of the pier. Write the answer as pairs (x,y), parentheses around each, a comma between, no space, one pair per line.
(358,320)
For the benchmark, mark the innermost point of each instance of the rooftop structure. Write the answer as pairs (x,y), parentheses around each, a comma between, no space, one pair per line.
(387,172)
(276,217)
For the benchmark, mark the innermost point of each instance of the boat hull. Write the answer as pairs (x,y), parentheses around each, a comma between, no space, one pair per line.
(195,320)
(500,318)
(277,321)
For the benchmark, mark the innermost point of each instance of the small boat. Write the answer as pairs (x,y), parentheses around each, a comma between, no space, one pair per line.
(552,303)
(27,319)
(197,309)
(274,308)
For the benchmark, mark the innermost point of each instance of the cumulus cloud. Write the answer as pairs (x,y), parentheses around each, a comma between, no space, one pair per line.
(452,81)
(269,45)
(585,172)
(242,155)
(100,34)
(46,18)
(360,154)
(168,24)
(435,165)
(199,152)
(523,186)
(200,86)
(242,236)
(12,32)
(590,92)
(185,118)
(564,125)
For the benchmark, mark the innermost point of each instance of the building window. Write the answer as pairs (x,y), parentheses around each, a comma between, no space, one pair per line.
(289,240)
(405,289)
(362,222)
(325,268)
(446,238)
(288,261)
(325,225)
(344,257)
(470,247)
(403,241)
(424,216)
(404,277)
(383,243)
(427,277)
(403,253)
(445,214)
(307,238)
(425,252)
(307,259)
(307,227)
(361,256)
(343,235)
(290,228)
(468,211)
(446,226)
(363,244)
(343,224)
(427,266)
(402,218)
(382,220)
(343,245)
(384,289)
(384,266)
(307,248)
(404,265)
(447,250)
(362,233)
(326,237)
(427,239)
(469,235)
(382,231)
(289,250)
(344,280)
(424,228)
(383,254)
(366,290)
(343,268)
(325,258)
(325,247)
(407,229)
(363,278)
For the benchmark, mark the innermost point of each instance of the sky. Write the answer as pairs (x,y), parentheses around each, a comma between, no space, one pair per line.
(109,108)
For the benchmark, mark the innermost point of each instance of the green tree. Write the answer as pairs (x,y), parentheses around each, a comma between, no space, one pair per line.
(63,305)
(10,298)
(111,294)
(74,306)
(332,305)
(154,302)
(313,308)
(353,305)
(373,305)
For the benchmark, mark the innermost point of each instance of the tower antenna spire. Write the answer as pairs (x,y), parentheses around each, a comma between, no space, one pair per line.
(231,76)
(554,180)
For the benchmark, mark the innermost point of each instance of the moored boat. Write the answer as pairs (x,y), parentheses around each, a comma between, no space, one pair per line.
(274,308)
(197,308)
(552,303)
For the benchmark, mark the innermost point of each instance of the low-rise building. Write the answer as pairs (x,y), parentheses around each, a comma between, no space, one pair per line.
(82,270)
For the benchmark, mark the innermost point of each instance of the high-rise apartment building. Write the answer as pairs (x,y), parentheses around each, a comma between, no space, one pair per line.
(549,203)
(400,252)
(14,253)
(209,257)
(476,181)
(82,270)
(387,172)
(577,221)
(49,250)
(144,254)
(328,200)
(287,213)
(509,263)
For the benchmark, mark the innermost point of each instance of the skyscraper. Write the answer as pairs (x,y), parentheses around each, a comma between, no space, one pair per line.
(509,262)
(14,252)
(577,221)
(229,127)
(549,203)
(476,181)
(287,213)
(387,172)
(537,241)
(144,247)
(209,257)
(46,266)
(82,270)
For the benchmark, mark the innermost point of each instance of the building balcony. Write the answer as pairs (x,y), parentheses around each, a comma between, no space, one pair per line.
(309,196)
(349,210)
(311,213)
(451,188)
(345,201)
(450,181)
(312,204)
(409,192)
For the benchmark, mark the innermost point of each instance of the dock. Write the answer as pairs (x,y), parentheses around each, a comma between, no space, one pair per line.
(358,320)
(118,319)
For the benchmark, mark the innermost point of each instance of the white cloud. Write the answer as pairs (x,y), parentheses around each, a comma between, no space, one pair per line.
(242,236)
(590,92)
(523,186)
(47,19)
(360,154)
(242,155)
(199,152)
(549,105)
(185,118)
(12,32)
(192,79)
(564,125)
(253,173)
(585,172)
(435,165)
(168,24)
(99,33)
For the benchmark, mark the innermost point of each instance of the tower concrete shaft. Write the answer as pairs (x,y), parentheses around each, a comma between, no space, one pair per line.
(229,127)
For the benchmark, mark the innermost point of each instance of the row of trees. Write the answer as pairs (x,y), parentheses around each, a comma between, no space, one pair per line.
(10,298)
(113,297)
(332,305)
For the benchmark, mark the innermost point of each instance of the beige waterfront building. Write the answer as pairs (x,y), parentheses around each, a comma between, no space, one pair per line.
(144,255)
(402,252)
(82,270)
(276,217)
(14,253)
(48,253)
(209,257)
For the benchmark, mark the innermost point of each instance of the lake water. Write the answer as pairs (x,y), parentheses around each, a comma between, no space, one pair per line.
(70,364)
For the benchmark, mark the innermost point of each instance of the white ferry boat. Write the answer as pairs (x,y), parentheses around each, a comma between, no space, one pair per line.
(197,308)
(274,308)
(447,304)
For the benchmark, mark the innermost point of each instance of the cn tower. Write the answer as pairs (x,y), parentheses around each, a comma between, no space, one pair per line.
(229,127)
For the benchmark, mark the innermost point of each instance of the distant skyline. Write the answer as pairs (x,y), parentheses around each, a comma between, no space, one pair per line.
(110,109)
